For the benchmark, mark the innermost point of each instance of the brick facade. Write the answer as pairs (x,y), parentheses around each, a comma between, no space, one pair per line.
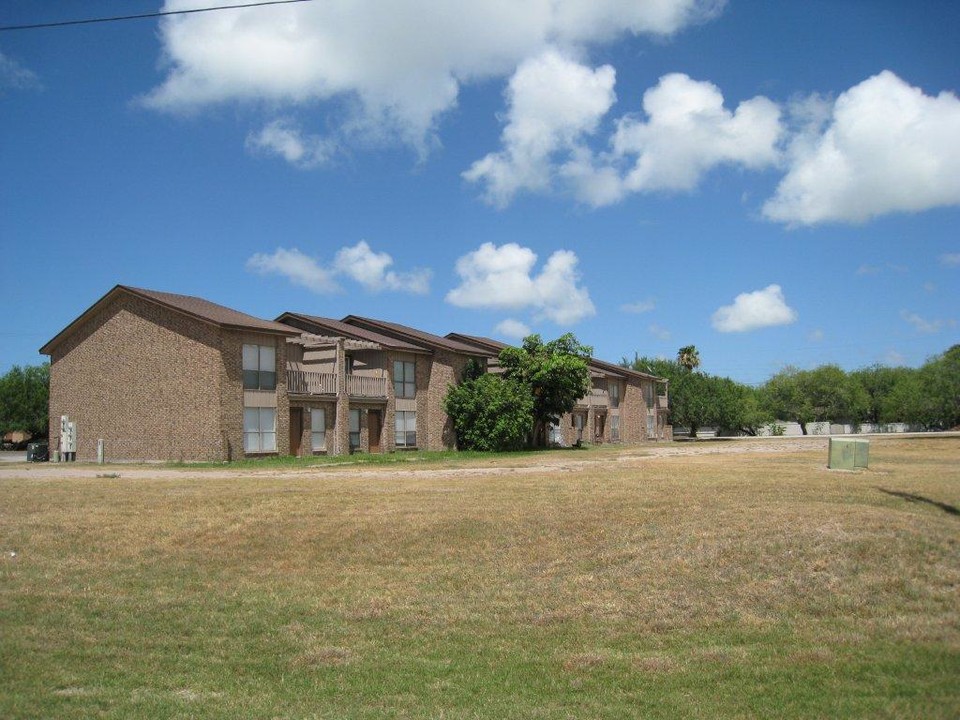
(160,377)
(155,384)
(145,381)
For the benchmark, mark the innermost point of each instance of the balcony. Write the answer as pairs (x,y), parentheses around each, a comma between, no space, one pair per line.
(597,397)
(305,382)
(364,386)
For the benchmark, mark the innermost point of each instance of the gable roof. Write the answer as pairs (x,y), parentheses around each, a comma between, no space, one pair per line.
(413,335)
(197,308)
(483,343)
(596,365)
(330,326)
(624,372)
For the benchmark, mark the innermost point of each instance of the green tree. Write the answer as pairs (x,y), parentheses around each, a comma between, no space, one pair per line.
(489,413)
(834,396)
(784,397)
(24,399)
(940,393)
(688,357)
(738,408)
(698,400)
(824,394)
(555,374)
(892,394)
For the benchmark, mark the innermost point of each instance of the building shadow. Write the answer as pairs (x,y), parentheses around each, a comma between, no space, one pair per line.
(909,497)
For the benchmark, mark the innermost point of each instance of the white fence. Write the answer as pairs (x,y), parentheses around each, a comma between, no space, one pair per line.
(792,429)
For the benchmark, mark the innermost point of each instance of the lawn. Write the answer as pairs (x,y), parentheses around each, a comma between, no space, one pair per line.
(603,584)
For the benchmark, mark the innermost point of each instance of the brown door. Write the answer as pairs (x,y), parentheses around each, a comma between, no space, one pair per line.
(296,430)
(373,430)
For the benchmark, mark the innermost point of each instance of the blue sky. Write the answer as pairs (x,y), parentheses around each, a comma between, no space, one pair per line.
(777,183)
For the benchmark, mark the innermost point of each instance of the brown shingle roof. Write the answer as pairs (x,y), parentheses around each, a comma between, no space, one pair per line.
(606,367)
(195,307)
(484,343)
(211,312)
(414,335)
(328,326)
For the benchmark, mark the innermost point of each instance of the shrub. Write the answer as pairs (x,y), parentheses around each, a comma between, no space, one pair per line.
(490,413)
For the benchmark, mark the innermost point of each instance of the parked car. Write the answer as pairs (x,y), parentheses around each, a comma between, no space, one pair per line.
(15,440)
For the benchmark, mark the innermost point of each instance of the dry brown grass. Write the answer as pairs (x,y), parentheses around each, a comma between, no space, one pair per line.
(605,565)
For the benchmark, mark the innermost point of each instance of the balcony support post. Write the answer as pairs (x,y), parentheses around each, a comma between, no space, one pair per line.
(341,430)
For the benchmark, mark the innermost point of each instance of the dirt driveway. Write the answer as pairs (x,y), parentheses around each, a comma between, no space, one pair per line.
(540,463)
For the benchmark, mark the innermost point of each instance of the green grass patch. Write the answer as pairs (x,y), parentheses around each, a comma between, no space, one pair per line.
(393,458)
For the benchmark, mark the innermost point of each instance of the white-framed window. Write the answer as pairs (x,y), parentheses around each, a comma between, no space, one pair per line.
(614,428)
(259,367)
(614,393)
(318,429)
(354,430)
(259,430)
(404,379)
(405,427)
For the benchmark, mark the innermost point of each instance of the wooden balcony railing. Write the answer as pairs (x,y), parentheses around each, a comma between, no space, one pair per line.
(305,382)
(366,387)
(597,397)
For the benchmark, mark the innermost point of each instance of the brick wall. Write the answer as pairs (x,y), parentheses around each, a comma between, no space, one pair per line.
(435,430)
(633,411)
(145,380)
(231,402)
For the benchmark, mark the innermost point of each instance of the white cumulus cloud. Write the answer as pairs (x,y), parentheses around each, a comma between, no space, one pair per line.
(358,262)
(885,147)
(371,270)
(388,69)
(284,138)
(513,329)
(950,259)
(502,278)
(754,310)
(688,131)
(556,106)
(552,101)
(298,268)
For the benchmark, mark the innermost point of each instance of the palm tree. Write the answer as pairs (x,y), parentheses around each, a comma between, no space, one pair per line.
(688,357)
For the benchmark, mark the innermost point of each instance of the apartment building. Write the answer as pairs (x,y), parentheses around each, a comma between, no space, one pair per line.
(164,377)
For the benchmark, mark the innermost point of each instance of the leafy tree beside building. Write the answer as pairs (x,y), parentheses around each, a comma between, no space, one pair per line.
(540,383)
(555,374)
(24,395)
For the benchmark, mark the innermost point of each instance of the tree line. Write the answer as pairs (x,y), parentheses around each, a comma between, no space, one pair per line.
(543,380)
(927,397)
(24,393)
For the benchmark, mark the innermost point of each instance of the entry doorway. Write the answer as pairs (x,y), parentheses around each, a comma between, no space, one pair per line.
(374,427)
(296,430)
(599,423)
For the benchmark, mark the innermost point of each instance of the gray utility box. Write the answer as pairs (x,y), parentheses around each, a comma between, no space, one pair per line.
(848,453)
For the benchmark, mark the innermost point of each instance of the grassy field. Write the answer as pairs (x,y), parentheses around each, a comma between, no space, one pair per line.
(703,586)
